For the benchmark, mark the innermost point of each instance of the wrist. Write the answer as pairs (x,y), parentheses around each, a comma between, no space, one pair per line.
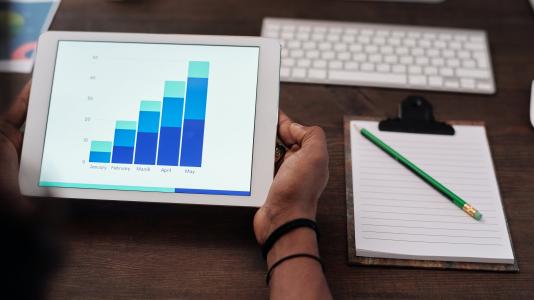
(300,240)
(269,218)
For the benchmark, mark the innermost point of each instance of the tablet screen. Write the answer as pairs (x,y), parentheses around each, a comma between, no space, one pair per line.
(151,117)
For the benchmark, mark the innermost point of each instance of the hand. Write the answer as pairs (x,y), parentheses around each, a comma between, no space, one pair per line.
(300,180)
(10,148)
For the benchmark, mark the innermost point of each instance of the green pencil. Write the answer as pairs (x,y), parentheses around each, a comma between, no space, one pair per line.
(470,210)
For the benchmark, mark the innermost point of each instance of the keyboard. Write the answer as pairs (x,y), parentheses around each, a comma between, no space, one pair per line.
(377,55)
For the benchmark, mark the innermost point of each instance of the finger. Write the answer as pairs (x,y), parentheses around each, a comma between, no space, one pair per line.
(284,133)
(16,115)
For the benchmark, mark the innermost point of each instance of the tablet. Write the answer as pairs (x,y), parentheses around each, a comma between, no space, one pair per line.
(159,118)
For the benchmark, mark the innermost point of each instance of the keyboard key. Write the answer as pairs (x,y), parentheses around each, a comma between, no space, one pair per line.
(415,70)
(325,46)
(472,73)
(474,46)
(454,84)
(335,64)
(375,58)
(431,71)
(391,59)
(304,63)
(348,38)
(284,72)
(367,77)
(368,67)
(313,54)
(407,60)
(435,81)
(454,63)
(446,72)
(297,53)
(340,47)
(329,55)
(469,63)
(298,73)
(422,61)
(343,56)
(359,57)
(467,83)
(486,86)
(399,69)
(356,48)
(293,44)
(417,80)
(319,63)
(418,51)
(318,36)
(317,73)
(438,62)
(309,45)
(383,68)
(288,62)
(351,65)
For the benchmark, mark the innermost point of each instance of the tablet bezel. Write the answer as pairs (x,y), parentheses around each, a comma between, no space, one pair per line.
(264,130)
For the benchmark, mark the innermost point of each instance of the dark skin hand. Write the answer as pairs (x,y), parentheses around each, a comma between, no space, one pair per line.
(294,194)
(10,149)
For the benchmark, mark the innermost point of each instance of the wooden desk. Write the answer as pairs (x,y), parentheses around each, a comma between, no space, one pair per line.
(134,251)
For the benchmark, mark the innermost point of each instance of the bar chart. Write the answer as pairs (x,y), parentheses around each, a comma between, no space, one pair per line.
(169,118)
(168,132)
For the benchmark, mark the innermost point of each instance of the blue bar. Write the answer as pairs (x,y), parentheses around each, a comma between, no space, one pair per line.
(145,148)
(192,143)
(122,155)
(195,115)
(171,131)
(196,96)
(173,109)
(123,146)
(99,157)
(212,192)
(147,133)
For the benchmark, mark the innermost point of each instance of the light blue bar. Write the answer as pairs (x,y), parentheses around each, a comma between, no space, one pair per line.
(101,146)
(174,89)
(127,125)
(151,106)
(105,187)
(199,69)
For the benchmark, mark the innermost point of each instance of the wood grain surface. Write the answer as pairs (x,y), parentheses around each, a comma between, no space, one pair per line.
(154,251)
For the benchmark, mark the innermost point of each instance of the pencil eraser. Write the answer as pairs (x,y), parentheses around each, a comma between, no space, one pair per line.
(478,216)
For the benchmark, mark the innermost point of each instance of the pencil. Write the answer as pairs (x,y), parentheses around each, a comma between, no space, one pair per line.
(466,207)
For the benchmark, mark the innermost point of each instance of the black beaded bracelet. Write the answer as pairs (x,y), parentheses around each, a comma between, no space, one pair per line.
(276,264)
(282,230)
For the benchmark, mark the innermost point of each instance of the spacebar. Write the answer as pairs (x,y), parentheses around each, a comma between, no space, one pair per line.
(367,77)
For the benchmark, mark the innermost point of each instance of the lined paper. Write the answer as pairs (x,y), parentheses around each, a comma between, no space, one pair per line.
(398,215)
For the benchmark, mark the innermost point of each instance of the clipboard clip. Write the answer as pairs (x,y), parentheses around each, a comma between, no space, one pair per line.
(416,116)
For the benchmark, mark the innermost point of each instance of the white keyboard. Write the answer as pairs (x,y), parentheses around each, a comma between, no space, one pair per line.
(360,54)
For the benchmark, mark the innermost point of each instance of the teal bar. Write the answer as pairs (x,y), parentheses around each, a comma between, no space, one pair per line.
(174,89)
(199,69)
(101,146)
(105,187)
(126,125)
(151,106)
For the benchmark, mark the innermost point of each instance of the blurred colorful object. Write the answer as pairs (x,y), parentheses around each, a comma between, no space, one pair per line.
(21,23)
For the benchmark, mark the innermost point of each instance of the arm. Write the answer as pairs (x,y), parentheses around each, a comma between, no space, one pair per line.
(294,194)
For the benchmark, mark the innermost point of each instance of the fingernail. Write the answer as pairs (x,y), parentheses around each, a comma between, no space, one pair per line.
(297,125)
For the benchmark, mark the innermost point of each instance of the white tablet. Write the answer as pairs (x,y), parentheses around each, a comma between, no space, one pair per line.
(159,118)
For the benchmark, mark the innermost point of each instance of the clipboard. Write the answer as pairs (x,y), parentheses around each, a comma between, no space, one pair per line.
(415,116)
